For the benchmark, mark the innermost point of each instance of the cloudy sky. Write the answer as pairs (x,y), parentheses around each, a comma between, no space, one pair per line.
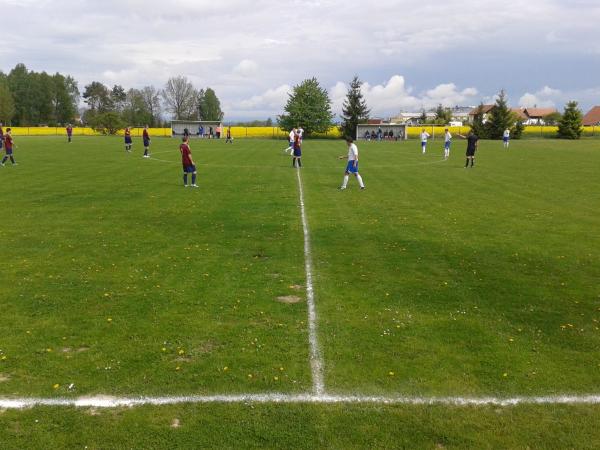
(411,54)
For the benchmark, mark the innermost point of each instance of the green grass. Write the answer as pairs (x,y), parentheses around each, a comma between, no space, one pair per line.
(436,280)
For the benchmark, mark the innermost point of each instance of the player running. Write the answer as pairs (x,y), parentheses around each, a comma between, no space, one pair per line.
(8,148)
(447,143)
(128,140)
(291,140)
(188,162)
(424,136)
(69,133)
(146,138)
(506,138)
(352,166)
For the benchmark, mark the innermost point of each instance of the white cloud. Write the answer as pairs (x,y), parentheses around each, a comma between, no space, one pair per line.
(544,98)
(246,68)
(272,99)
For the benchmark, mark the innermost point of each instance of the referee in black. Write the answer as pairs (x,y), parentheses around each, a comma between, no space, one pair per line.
(472,143)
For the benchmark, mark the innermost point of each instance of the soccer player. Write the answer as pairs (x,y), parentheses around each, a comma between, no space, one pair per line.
(1,136)
(291,140)
(424,136)
(352,166)
(229,138)
(506,138)
(300,132)
(128,141)
(447,143)
(187,162)
(297,154)
(8,148)
(69,133)
(472,144)
(146,138)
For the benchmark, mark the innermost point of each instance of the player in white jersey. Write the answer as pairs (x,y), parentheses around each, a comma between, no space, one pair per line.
(300,133)
(292,136)
(506,138)
(447,143)
(352,166)
(424,136)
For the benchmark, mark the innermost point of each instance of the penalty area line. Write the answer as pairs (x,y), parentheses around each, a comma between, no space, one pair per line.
(274,398)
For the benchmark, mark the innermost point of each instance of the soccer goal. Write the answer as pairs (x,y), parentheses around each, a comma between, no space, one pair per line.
(384,131)
(197,128)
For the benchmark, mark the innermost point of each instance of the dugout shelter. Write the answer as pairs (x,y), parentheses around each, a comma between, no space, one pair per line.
(398,130)
(195,126)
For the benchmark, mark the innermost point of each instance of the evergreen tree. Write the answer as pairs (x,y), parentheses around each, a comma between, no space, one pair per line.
(443,116)
(209,105)
(308,106)
(354,110)
(500,119)
(517,131)
(570,125)
(478,127)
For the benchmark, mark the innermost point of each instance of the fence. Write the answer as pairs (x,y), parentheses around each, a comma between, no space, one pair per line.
(531,131)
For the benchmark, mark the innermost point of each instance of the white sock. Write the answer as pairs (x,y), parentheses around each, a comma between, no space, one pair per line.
(345,183)
(360,181)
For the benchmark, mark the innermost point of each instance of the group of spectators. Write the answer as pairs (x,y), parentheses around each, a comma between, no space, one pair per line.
(381,135)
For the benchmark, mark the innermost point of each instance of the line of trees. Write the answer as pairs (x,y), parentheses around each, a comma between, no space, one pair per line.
(37,98)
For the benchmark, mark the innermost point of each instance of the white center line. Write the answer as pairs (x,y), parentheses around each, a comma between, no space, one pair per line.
(316,358)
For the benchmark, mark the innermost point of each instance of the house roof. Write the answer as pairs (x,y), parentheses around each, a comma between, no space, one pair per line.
(539,112)
(484,109)
(592,117)
(520,113)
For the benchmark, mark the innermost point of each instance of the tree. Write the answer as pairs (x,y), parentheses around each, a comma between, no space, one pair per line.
(209,105)
(518,129)
(107,122)
(97,97)
(354,109)
(135,111)
(500,118)
(552,118)
(7,104)
(308,106)
(478,127)
(180,98)
(151,98)
(443,116)
(63,105)
(118,97)
(570,125)
(423,117)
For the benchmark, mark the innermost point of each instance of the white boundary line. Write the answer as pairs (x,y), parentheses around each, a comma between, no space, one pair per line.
(116,402)
(316,358)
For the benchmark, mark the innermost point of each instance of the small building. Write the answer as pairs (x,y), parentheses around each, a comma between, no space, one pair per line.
(485,110)
(196,128)
(592,118)
(520,114)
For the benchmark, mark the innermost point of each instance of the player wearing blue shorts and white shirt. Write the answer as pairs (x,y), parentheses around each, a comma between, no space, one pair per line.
(506,138)
(352,166)
(447,143)
(292,136)
(424,136)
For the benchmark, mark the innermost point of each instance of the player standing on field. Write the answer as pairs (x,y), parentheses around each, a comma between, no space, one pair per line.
(447,143)
(506,138)
(1,136)
(69,133)
(297,152)
(128,141)
(424,136)
(187,162)
(146,138)
(352,166)
(229,139)
(8,148)
(472,144)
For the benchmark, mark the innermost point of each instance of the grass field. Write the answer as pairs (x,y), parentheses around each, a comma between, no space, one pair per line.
(434,281)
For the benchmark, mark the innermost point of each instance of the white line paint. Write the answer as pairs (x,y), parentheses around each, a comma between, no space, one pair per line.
(116,402)
(316,358)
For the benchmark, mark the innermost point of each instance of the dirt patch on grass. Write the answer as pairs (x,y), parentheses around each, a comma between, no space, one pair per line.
(296,287)
(92,412)
(67,350)
(289,299)
(175,423)
(4,378)
(206,347)
(82,349)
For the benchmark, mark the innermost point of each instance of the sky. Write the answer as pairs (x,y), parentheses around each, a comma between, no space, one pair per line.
(410,55)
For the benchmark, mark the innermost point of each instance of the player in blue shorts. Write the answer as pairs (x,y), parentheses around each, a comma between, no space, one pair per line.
(146,138)
(506,138)
(297,152)
(8,148)
(447,143)
(424,136)
(128,141)
(352,165)
(187,162)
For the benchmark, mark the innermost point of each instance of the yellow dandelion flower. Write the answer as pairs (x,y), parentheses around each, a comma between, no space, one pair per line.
(225,369)
(276,378)
(391,374)
(177,368)
(181,352)
(504,374)
(164,349)
(56,386)
(249,375)
(109,319)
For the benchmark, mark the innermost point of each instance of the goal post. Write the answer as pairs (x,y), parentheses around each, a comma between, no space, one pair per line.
(397,130)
